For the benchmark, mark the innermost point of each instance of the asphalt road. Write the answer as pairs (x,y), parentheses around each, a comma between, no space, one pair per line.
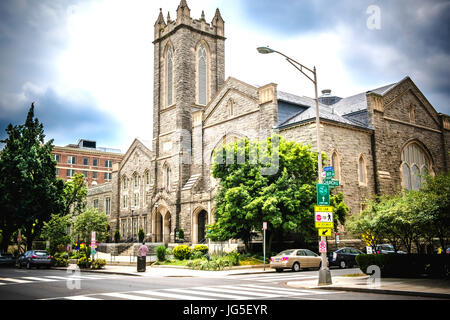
(41,284)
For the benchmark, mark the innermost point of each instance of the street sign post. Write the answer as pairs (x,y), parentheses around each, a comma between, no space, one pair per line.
(264,228)
(323,195)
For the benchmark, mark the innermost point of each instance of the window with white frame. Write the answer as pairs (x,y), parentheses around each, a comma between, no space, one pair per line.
(71,160)
(416,165)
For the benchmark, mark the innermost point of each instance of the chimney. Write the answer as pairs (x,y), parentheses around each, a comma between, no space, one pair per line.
(328,99)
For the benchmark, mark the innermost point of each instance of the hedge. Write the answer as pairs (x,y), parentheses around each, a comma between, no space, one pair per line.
(407,265)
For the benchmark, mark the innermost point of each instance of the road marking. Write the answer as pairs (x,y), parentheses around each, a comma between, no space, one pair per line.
(288,278)
(237,291)
(212,294)
(127,296)
(81,298)
(39,279)
(59,278)
(169,295)
(14,280)
(299,291)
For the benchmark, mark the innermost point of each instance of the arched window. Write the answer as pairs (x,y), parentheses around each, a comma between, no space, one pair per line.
(125,183)
(168,179)
(147,177)
(230,108)
(335,163)
(362,172)
(169,76)
(415,165)
(202,61)
(412,114)
(136,180)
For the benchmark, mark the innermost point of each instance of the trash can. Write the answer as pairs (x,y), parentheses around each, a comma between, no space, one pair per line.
(141,264)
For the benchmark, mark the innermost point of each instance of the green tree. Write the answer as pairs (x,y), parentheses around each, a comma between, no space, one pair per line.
(75,194)
(284,198)
(57,231)
(91,220)
(29,189)
(437,189)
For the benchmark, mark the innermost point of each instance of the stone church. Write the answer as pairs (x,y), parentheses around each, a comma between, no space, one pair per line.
(378,141)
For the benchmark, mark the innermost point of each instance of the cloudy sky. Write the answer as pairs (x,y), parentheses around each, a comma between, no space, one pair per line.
(87,64)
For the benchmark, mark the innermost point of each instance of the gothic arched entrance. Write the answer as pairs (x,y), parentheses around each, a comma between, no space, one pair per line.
(199,226)
(162,225)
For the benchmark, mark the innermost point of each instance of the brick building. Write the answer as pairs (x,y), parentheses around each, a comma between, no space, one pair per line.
(378,141)
(86,158)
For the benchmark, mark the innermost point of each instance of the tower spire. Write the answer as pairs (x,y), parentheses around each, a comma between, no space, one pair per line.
(160,21)
(183,11)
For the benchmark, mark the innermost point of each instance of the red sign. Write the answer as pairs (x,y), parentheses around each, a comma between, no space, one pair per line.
(264,225)
(322,246)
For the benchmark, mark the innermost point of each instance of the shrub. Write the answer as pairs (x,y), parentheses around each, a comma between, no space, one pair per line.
(197,255)
(84,263)
(141,235)
(61,259)
(181,234)
(161,253)
(233,257)
(117,236)
(181,252)
(411,265)
(201,248)
(98,263)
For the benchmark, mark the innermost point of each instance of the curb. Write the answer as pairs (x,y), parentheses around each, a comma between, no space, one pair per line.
(396,292)
(382,291)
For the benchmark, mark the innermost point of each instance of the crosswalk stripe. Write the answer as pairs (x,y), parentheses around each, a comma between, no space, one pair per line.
(15,280)
(212,294)
(287,278)
(279,277)
(244,292)
(81,298)
(299,291)
(128,296)
(58,278)
(171,295)
(270,290)
(39,279)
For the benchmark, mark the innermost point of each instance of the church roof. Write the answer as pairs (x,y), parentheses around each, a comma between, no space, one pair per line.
(341,111)
(358,102)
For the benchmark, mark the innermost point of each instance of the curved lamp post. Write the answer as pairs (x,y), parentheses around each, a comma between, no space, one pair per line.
(324,273)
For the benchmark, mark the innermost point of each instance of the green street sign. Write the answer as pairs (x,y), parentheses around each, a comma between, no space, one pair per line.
(323,195)
(329,175)
(332,183)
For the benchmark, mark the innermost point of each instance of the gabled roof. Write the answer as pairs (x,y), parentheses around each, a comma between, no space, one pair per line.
(325,112)
(358,102)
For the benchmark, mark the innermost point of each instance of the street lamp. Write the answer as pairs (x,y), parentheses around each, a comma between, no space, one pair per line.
(324,273)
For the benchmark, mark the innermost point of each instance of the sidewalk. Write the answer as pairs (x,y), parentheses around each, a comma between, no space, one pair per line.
(437,288)
(174,271)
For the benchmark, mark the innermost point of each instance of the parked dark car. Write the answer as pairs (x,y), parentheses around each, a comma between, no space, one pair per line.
(343,257)
(387,249)
(7,259)
(35,258)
